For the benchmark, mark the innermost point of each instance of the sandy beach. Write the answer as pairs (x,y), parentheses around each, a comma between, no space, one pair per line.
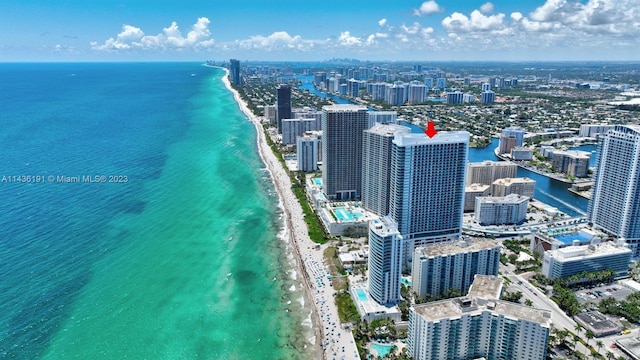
(336,342)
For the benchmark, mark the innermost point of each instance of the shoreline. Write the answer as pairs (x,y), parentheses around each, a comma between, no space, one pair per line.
(310,262)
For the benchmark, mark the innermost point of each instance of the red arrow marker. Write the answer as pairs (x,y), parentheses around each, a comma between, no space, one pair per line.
(431,129)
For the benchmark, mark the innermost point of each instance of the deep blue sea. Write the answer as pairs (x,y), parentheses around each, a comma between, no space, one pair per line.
(137,220)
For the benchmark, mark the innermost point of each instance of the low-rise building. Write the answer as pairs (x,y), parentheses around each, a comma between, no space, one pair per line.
(571,260)
(521,153)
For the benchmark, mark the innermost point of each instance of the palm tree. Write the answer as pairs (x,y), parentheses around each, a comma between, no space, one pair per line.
(576,338)
(599,345)
(610,355)
(590,335)
(578,328)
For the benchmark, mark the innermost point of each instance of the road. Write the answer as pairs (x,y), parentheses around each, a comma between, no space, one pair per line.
(559,319)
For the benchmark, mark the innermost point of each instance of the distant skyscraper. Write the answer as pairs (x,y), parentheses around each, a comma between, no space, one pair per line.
(488,97)
(376,168)
(510,138)
(395,95)
(417,93)
(382,117)
(455,97)
(234,71)
(427,187)
(284,104)
(615,205)
(342,132)
(385,257)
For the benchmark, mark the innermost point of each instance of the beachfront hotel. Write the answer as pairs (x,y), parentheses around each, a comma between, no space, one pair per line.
(615,205)
(478,326)
(342,132)
(376,169)
(427,187)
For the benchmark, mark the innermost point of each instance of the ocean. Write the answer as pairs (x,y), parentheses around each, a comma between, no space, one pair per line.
(137,220)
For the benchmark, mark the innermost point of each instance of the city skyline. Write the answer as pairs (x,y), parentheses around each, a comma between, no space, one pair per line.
(433,30)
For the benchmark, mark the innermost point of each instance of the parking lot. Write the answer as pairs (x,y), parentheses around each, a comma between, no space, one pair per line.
(597,293)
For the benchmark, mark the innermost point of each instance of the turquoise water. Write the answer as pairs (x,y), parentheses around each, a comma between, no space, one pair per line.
(382,350)
(568,239)
(342,214)
(317,181)
(361,295)
(181,261)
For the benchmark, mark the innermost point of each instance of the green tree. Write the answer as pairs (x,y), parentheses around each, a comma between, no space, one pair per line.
(590,335)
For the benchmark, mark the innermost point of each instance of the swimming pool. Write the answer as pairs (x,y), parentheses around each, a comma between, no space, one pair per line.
(345,215)
(405,281)
(361,295)
(382,350)
(342,214)
(569,238)
(317,181)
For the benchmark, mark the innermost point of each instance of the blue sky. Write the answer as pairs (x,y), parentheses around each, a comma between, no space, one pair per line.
(287,30)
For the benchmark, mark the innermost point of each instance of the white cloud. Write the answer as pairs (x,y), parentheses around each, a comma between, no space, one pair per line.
(516,16)
(346,39)
(460,23)
(132,37)
(382,22)
(597,17)
(413,29)
(279,40)
(427,8)
(486,8)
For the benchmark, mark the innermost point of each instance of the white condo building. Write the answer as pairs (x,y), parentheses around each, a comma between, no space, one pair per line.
(342,132)
(502,210)
(376,169)
(486,172)
(385,257)
(478,326)
(508,186)
(308,151)
(615,204)
(427,187)
(447,266)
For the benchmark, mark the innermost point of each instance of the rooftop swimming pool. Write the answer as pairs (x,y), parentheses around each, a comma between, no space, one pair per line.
(345,215)
(317,181)
(361,295)
(569,238)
